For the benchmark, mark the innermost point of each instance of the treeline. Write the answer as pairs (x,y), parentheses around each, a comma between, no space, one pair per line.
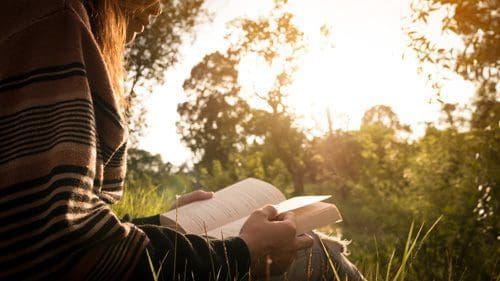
(381,182)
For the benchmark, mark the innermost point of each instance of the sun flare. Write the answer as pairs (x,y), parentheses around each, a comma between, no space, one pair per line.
(353,62)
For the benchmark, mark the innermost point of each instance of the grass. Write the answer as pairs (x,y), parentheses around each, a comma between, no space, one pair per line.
(141,202)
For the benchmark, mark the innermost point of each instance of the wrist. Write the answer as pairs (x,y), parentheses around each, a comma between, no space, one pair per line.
(253,252)
(257,256)
(256,251)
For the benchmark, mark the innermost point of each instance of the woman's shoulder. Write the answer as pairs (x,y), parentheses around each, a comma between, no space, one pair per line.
(16,15)
(34,37)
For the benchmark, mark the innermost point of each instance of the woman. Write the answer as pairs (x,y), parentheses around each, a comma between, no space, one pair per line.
(62,159)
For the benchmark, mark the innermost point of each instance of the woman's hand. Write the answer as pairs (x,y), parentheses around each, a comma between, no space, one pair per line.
(191,197)
(272,240)
(182,200)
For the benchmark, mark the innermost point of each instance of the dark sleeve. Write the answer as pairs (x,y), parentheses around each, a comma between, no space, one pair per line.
(152,220)
(193,257)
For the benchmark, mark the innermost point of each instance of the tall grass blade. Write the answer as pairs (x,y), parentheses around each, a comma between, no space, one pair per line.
(389,266)
(428,232)
(151,266)
(330,262)
(378,258)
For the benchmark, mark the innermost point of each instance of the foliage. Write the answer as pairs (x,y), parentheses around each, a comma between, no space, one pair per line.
(146,169)
(461,167)
(379,178)
(212,119)
(216,122)
(154,51)
(475,22)
(381,182)
(151,184)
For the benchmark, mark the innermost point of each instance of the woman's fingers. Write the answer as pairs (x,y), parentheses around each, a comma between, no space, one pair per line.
(196,196)
(268,234)
(269,211)
(191,197)
(302,241)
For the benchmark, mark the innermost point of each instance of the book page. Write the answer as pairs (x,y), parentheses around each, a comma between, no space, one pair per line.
(316,215)
(233,228)
(299,201)
(228,204)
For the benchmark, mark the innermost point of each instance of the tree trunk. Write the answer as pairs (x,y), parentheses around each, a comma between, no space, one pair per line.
(298,183)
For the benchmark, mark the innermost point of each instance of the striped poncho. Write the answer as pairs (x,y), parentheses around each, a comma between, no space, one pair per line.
(62,149)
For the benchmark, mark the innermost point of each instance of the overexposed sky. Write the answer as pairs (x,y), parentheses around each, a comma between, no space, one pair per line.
(359,66)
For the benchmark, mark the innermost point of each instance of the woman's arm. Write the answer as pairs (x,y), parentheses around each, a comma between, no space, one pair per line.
(51,214)
(61,160)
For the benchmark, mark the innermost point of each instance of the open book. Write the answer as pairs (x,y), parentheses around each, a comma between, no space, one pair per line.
(224,214)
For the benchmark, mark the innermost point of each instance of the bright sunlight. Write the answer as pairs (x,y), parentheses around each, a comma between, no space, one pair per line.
(354,60)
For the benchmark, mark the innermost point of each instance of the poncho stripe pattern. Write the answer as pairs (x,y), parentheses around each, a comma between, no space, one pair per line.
(62,150)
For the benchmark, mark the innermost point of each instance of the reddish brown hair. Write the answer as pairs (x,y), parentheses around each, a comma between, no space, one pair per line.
(109,19)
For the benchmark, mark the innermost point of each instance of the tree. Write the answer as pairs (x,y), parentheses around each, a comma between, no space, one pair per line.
(384,158)
(153,52)
(145,170)
(444,174)
(216,122)
(280,43)
(383,150)
(284,141)
(212,119)
(486,115)
(475,22)
(335,163)
(456,174)
(384,116)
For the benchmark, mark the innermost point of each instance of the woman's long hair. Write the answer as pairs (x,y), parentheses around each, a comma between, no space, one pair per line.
(109,19)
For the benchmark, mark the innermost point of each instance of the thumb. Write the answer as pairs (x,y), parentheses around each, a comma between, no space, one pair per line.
(303,241)
(269,211)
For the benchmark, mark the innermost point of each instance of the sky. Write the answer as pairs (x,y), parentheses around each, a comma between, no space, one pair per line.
(360,65)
